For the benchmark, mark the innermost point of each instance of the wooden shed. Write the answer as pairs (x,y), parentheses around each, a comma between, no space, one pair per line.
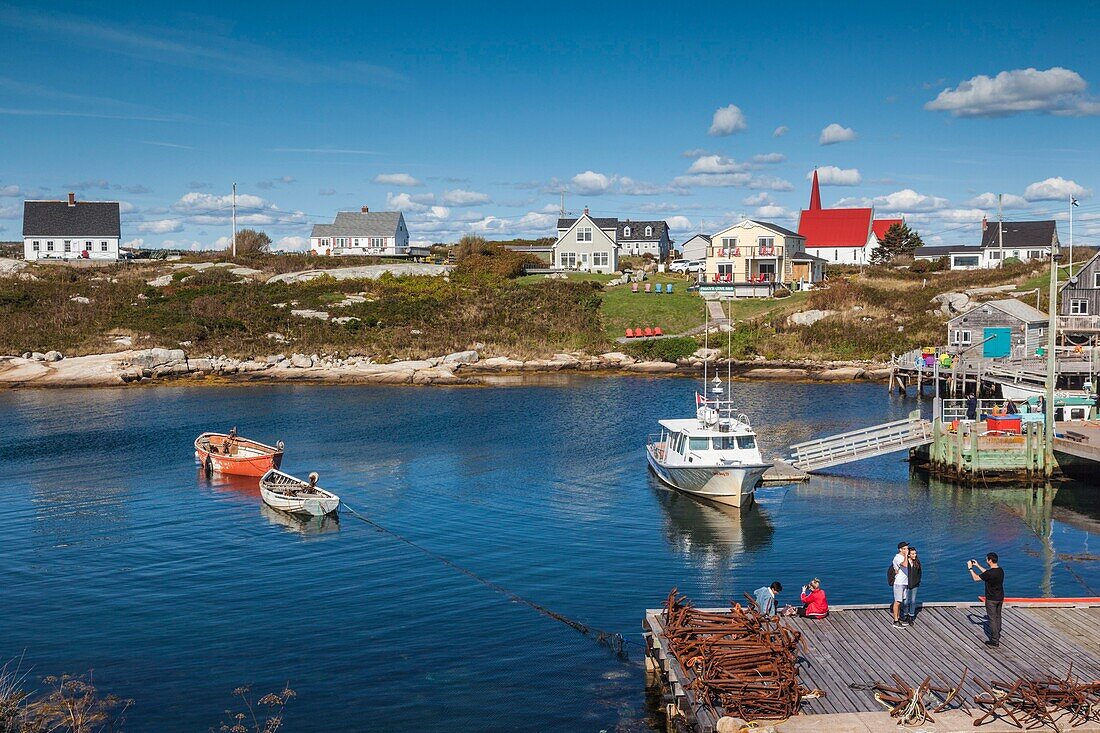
(998,329)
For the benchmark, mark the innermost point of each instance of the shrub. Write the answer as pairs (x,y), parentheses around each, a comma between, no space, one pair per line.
(483,258)
(781,293)
(1012,262)
(670,349)
(921,266)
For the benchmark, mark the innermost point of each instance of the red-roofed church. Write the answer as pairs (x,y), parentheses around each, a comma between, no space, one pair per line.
(841,236)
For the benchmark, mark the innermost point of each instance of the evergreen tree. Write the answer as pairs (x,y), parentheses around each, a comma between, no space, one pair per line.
(900,241)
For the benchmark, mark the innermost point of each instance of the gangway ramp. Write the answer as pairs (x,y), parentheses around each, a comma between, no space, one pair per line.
(856,445)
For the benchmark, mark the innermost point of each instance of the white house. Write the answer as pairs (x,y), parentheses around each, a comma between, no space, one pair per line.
(696,247)
(1022,240)
(71,229)
(841,236)
(378,233)
(587,244)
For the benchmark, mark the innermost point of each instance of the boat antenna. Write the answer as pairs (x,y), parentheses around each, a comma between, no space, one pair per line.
(706,342)
(729,352)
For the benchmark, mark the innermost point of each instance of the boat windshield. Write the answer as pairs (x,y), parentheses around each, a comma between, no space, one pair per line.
(698,443)
(730,442)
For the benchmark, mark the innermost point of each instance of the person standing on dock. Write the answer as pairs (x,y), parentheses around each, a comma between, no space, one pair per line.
(913,575)
(971,407)
(765,598)
(899,580)
(994,579)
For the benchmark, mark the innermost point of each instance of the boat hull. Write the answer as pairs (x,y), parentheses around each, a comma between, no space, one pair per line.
(252,458)
(311,506)
(729,485)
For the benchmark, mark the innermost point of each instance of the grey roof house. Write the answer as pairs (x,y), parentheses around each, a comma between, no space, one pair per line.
(71,229)
(363,232)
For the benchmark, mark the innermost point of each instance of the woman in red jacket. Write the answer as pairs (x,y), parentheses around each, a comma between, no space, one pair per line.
(814,604)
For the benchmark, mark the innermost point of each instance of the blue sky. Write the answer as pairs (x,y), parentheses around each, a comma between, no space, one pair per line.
(472,118)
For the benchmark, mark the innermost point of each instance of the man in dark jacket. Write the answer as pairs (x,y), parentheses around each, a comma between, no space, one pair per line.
(971,407)
(994,579)
(910,609)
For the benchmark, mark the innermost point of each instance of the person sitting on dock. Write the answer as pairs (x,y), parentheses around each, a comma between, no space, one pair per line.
(766,598)
(814,604)
(994,579)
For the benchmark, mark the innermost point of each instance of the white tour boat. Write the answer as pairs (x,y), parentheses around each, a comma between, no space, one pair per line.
(714,455)
(293,495)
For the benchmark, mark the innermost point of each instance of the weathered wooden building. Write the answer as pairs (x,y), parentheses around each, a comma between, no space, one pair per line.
(998,329)
(1079,311)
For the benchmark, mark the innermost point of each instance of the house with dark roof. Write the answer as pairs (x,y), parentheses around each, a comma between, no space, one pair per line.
(583,242)
(841,236)
(71,229)
(961,257)
(754,258)
(695,248)
(363,232)
(1023,240)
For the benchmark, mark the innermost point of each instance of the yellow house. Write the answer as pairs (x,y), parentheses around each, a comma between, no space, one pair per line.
(752,258)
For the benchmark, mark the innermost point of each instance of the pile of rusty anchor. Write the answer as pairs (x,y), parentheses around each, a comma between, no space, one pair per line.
(742,661)
(1036,703)
(911,706)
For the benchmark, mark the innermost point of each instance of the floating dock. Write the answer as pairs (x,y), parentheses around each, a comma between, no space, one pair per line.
(856,647)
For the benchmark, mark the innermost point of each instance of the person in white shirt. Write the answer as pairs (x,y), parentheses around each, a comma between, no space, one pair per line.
(900,568)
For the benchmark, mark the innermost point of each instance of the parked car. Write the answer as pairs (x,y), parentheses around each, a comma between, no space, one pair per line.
(683,266)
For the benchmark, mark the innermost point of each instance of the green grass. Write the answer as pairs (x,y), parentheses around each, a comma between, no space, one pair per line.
(622,309)
(594,277)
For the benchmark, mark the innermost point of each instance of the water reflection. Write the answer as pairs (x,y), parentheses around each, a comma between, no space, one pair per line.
(305,526)
(710,533)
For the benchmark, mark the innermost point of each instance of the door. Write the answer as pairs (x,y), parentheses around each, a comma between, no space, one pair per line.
(998,342)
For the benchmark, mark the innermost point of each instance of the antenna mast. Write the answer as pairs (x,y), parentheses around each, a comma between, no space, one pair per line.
(234,220)
(1000,231)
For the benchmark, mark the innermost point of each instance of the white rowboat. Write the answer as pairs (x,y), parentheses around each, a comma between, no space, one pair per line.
(293,495)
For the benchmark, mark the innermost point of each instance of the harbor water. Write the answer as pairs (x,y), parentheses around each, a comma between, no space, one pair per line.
(119,556)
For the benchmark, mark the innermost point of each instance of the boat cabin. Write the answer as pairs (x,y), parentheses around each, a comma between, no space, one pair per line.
(703,442)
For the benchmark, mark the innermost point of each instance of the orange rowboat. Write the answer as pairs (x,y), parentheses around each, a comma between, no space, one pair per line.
(232,454)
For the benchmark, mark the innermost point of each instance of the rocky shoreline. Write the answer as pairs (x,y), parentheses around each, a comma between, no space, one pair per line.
(174,366)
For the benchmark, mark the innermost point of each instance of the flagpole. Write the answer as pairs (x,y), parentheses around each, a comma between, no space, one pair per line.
(1071,202)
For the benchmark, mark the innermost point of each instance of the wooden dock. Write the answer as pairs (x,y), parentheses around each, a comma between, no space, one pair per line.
(856,647)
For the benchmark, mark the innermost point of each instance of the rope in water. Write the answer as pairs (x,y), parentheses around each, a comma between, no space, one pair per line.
(613,641)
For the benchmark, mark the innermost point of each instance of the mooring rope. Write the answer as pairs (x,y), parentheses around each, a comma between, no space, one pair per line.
(613,641)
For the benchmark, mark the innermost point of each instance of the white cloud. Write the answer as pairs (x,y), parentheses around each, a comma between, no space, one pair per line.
(161,226)
(408,202)
(768,158)
(11,191)
(208,208)
(989,201)
(899,202)
(1055,91)
(830,175)
(679,223)
(781,131)
(1055,189)
(273,182)
(397,179)
(727,120)
(695,152)
(758,199)
(136,242)
(716,164)
(591,183)
(125,207)
(459,197)
(291,244)
(773,211)
(835,133)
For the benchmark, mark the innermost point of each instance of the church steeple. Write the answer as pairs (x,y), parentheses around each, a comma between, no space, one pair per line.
(815,194)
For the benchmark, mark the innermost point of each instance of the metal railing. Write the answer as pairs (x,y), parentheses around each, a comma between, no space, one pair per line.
(864,443)
(955,409)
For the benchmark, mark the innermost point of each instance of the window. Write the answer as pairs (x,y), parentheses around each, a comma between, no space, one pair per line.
(68,245)
(1016,253)
(724,442)
(836,255)
(995,255)
(1034,254)
(377,242)
(961,338)
(102,246)
(746,442)
(965,261)
(1095,278)
(649,231)
(725,269)
(355,242)
(698,443)
(767,269)
(584,234)
(1078,307)
(88,246)
(626,231)
(34,246)
(49,246)
(766,245)
(601,259)
(567,259)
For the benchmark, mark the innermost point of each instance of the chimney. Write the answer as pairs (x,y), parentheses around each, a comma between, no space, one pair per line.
(586,211)
(72,199)
(985,222)
(365,209)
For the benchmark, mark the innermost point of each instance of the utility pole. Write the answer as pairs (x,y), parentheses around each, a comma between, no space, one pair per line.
(1071,204)
(1000,230)
(561,209)
(234,220)
(1052,327)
